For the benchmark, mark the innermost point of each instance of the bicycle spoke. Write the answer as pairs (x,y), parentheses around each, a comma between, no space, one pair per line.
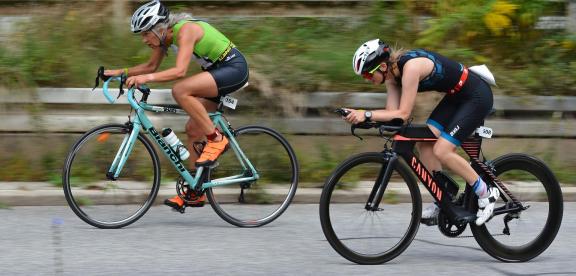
(529,232)
(96,199)
(365,236)
(264,199)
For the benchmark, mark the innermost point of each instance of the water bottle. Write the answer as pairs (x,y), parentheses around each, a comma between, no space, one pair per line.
(174,142)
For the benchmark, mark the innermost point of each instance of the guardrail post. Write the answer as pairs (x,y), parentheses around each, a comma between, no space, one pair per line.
(119,13)
(571,16)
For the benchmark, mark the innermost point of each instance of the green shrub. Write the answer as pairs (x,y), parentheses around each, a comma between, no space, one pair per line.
(64,46)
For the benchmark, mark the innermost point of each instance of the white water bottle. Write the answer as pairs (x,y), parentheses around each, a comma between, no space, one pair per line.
(174,142)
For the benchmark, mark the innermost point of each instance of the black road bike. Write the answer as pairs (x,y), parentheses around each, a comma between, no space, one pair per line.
(380,219)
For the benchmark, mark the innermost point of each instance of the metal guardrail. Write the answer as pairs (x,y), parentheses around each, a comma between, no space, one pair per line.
(79,109)
(311,100)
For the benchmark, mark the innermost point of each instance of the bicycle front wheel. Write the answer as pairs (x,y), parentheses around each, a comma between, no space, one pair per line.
(259,202)
(365,236)
(98,200)
(532,230)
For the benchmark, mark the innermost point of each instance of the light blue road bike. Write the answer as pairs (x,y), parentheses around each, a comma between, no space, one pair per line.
(112,173)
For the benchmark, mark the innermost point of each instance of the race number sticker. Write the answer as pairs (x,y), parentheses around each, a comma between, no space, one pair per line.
(485,132)
(229,102)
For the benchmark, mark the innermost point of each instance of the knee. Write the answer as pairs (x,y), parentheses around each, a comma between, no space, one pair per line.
(179,91)
(441,153)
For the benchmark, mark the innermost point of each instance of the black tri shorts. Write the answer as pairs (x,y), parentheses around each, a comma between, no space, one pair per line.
(231,73)
(458,115)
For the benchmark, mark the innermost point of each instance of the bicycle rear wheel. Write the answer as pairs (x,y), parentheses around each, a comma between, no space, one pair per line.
(531,230)
(364,236)
(256,203)
(99,201)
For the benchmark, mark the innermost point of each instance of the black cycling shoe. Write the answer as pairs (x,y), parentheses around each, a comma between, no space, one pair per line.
(429,221)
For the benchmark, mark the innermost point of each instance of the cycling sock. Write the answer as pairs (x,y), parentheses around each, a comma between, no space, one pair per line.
(480,188)
(214,135)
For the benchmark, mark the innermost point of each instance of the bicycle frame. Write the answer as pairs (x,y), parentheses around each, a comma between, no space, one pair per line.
(403,147)
(141,122)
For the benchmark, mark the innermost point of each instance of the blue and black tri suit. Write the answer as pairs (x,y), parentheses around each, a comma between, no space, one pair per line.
(463,109)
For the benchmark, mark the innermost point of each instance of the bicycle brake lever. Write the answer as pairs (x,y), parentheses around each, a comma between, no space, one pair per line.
(97,81)
(144,89)
(100,75)
(362,125)
(342,112)
(352,129)
(121,88)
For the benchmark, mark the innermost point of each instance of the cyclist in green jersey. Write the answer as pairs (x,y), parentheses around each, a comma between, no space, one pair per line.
(225,70)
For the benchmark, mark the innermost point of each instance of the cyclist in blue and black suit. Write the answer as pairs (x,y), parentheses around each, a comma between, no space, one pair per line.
(467,102)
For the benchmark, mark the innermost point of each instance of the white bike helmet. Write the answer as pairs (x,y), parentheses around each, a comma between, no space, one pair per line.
(369,55)
(148,15)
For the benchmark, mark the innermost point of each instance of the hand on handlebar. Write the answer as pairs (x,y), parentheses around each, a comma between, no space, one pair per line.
(358,120)
(352,116)
(138,81)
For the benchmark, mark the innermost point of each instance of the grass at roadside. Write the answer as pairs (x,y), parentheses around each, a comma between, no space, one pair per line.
(65,45)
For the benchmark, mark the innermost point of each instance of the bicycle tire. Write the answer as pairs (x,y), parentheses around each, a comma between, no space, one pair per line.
(91,196)
(523,251)
(345,245)
(265,199)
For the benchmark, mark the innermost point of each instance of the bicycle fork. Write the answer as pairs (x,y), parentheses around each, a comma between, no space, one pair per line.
(123,152)
(381,183)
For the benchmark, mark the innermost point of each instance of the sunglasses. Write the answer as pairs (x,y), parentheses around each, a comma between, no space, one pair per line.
(370,75)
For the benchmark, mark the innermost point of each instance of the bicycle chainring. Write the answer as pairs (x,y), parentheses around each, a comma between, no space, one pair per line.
(449,228)
(187,194)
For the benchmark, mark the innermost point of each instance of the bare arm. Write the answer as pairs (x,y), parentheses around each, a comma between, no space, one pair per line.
(144,68)
(150,66)
(412,73)
(392,103)
(188,36)
(394,93)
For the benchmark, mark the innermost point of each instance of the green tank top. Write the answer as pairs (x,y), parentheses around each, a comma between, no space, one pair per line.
(211,47)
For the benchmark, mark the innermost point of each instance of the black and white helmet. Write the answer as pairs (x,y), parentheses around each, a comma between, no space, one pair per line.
(369,55)
(148,15)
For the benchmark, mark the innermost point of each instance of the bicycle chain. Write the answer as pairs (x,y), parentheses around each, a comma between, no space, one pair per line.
(465,237)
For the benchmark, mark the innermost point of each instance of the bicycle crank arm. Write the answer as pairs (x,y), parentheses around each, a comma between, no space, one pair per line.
(509,209)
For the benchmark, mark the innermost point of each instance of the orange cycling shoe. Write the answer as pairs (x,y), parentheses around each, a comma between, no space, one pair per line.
(212,150)
(178,204)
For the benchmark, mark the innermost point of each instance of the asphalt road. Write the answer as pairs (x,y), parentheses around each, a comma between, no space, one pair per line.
(53,241)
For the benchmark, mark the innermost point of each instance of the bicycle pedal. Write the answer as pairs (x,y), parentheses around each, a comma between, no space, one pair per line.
(196,205)
(180,210)
(429,221)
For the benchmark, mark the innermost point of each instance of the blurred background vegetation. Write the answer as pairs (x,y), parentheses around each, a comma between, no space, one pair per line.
(292,47)
(62,46)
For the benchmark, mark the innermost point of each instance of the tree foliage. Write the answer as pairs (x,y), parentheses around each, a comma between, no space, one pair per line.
(64,46)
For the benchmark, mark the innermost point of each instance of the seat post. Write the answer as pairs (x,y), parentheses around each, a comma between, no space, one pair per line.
(220,107)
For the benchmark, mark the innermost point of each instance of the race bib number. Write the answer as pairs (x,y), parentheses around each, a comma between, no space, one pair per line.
(229,102)
(485,132)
